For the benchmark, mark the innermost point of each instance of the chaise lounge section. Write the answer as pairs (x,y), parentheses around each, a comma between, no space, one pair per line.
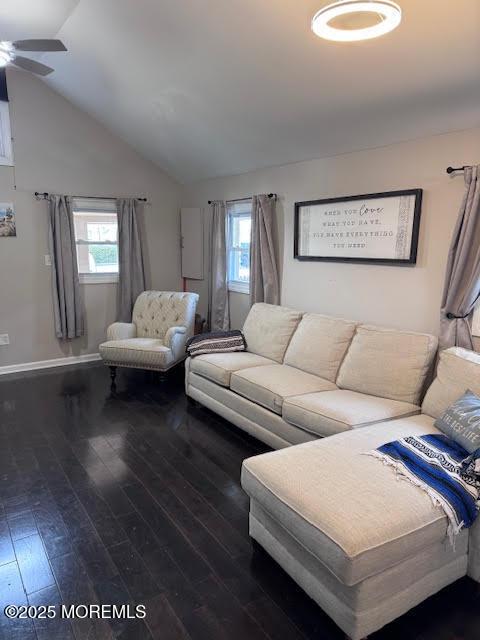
(364,545)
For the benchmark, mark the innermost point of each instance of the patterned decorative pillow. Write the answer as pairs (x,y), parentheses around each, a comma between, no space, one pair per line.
(216,342)
(461,421)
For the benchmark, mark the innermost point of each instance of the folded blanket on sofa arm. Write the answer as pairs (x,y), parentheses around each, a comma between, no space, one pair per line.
(443,469)
(216,342)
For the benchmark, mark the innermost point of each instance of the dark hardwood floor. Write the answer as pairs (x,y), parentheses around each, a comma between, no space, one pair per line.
(135,498)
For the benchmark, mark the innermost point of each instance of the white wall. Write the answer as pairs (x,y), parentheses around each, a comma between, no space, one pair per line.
(60,149)
(404,297)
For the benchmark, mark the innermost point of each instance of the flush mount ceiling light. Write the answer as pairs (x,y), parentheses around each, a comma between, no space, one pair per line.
(350,20)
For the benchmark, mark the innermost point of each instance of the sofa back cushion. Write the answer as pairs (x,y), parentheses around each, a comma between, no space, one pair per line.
(319,345)
(156,311)
(268,329)
(458,370)
(388,363)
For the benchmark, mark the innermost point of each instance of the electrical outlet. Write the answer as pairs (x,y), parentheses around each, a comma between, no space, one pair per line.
(4,338)
(48,260)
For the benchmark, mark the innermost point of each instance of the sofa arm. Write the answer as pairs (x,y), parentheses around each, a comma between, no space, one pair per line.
(121,331)
(474,551)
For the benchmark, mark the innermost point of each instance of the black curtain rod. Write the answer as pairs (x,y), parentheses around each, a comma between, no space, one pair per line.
(44,195)
(270,195)
(455,169)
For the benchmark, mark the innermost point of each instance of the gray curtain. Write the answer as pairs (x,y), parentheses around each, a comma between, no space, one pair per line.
(462,280)
(131,277)
(219,312)
(67,303)
(263,262)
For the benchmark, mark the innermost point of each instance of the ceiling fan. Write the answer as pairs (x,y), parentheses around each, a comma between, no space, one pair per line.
(8,54)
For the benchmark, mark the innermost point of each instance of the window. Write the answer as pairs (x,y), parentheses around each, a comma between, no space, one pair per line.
(239,215)
(6,152)
(96,238)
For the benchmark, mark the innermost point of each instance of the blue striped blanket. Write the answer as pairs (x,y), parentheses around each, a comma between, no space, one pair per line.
(441,468)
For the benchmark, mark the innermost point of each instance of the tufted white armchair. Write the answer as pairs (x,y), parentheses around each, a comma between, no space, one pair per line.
(162,322)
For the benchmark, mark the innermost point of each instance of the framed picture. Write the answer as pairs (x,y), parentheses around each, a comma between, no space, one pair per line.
(372,228)
(7,220)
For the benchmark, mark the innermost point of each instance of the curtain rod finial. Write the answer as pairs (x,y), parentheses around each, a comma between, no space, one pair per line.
(455,169)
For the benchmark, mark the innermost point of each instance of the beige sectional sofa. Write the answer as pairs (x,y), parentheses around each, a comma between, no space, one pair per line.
(307,376)
(364,545)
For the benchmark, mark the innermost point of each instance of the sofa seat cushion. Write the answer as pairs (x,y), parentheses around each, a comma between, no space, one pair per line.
(331,412)
(388,363)
(218,367)
(145,353)
(271,384)
(348,509)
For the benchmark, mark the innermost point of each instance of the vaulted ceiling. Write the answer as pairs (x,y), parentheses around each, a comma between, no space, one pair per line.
(215,87)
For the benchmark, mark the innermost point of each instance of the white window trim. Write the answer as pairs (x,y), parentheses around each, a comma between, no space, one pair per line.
(6,135)
(102,206)
(98,278)
(239,287)
(236,286)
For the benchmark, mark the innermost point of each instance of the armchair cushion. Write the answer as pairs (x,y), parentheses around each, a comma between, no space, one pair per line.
(143,353)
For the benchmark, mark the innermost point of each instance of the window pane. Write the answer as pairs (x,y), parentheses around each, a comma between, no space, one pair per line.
(239,225)
(102,231)
(240,266)
(95,226)
(103,258)
(240,231)
(91,229)
(97,258)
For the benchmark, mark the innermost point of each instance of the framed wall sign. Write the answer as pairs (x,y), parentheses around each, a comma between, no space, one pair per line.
(372,228)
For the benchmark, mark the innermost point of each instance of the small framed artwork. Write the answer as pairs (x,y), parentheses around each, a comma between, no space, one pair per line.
(373,228)
(7,220)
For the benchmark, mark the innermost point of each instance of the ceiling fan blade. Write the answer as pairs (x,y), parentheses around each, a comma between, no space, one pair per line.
(32,65)
(39,45)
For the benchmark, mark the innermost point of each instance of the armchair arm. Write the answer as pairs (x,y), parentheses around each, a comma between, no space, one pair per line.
(121,331)
(169,338)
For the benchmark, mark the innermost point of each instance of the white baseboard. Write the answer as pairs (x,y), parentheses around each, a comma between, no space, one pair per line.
(47,364)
